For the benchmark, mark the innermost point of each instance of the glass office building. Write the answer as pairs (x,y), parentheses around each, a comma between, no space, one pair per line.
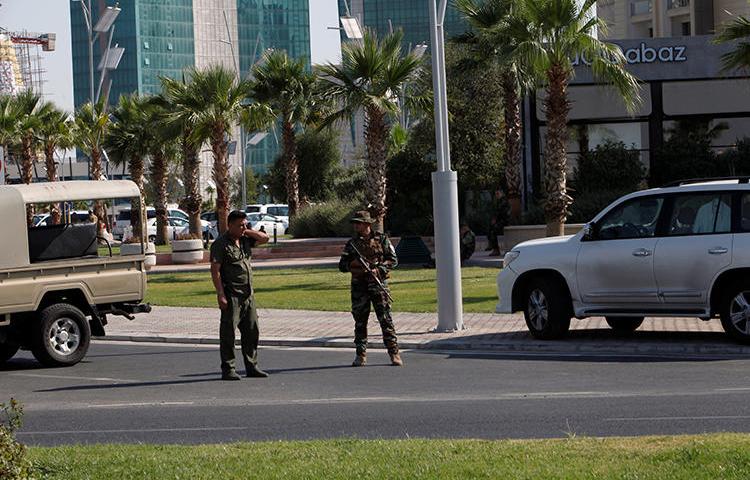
(410,16)
(163,37)
(158,39)
(278,25)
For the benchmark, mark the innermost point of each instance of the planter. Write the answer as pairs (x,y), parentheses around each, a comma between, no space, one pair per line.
(135,249)
(514,235)
(187,251)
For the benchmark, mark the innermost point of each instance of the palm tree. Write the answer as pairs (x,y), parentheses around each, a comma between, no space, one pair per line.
(90,129)
(161,145)
(285,86)
(219,105)
(548,34)
(54,133)
(8,121)
(31,110)
(738,30)
(489,20)
(183,104)
(372,76)
(127,142)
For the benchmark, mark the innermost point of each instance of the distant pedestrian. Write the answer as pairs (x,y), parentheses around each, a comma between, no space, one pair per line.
(232,276)
(468,242)
(369,285)
(492,234)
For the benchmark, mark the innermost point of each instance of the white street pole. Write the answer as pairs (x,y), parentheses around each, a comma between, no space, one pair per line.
(444,191)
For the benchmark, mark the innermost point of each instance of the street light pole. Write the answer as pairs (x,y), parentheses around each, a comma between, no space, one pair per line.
(444,190)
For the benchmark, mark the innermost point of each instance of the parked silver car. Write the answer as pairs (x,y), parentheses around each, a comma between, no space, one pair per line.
(681,251)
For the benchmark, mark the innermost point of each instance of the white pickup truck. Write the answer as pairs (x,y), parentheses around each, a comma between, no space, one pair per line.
(55,289)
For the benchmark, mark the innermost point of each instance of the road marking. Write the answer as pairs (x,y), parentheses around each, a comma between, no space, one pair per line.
(134,430)
(650,419)
(138,404)
(738,389)
(68,377)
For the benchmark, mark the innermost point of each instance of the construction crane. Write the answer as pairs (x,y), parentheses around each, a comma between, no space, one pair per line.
(46,40)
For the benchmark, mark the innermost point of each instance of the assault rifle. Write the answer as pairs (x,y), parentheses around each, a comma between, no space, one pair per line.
(372,273)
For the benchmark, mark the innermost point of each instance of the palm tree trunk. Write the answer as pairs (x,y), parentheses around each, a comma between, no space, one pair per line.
(555,156)
(512,107)
(159,178)
(27,166)
(191,177)
(292,168)
(377,150)
(96,174)
(137,206)
(49,162)
(221,178)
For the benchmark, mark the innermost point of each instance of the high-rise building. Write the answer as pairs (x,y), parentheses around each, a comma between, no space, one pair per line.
(413,17)
(667,18)
(164,37)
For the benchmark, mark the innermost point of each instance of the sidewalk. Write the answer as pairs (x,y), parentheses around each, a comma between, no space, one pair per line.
(484,332)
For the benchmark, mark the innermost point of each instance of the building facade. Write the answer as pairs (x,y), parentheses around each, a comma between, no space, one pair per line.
(667,18)
(165,37)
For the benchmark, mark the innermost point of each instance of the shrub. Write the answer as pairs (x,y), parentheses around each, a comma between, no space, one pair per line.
(736,161)
(14,463)
(328,219)
(603,175)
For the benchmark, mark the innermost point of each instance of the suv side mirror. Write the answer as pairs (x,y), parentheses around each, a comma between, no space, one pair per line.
(588,232)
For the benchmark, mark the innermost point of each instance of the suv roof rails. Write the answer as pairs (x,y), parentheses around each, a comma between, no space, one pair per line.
(679,183)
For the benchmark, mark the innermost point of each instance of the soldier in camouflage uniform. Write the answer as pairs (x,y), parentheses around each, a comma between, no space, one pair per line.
(380,256)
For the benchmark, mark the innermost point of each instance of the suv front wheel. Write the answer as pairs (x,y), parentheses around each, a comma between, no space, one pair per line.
(546,309)
(735,312)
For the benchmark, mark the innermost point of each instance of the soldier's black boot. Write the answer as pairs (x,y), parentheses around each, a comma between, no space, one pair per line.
(256,372)
(230,375)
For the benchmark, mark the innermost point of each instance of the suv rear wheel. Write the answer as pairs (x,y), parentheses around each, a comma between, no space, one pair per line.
(735,312)
(624,324)
(61,337)
(547,309)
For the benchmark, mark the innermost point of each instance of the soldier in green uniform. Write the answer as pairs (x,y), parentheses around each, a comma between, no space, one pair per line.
(380,256)
(232,276)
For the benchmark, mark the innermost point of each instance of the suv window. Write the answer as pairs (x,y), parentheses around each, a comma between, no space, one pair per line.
(635,218)
(700,214)
(282,211)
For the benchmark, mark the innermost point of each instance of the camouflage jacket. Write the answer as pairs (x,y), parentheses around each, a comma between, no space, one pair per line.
(377,250)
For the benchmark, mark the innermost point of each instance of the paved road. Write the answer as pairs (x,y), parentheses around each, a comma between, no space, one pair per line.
(170,394)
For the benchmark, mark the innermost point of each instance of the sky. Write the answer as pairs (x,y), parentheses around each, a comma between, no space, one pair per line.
(53,16)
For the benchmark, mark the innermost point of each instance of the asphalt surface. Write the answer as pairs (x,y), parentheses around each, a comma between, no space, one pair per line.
(171,394)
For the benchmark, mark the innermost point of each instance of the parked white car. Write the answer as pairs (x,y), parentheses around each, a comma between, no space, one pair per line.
(279,210)
(681,251)
(257,220)
(176,226)
(122,219)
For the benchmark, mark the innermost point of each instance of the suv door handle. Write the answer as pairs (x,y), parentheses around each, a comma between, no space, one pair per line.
(718,250)
(641,252)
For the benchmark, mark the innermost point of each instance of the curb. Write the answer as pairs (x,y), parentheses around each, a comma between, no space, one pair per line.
(526,348)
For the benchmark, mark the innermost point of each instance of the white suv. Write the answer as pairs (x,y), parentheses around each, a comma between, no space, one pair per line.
(682,250)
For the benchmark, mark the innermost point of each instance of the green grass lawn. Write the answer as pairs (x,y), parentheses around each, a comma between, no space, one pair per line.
(703,457)
(324,288)
(104,251)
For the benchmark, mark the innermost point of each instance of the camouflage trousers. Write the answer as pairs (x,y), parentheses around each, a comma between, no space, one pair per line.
(362,296)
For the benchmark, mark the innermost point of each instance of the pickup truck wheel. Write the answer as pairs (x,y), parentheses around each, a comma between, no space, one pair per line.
(624,324)
(61,337)
(735,312)
(547,310)
(7,350)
